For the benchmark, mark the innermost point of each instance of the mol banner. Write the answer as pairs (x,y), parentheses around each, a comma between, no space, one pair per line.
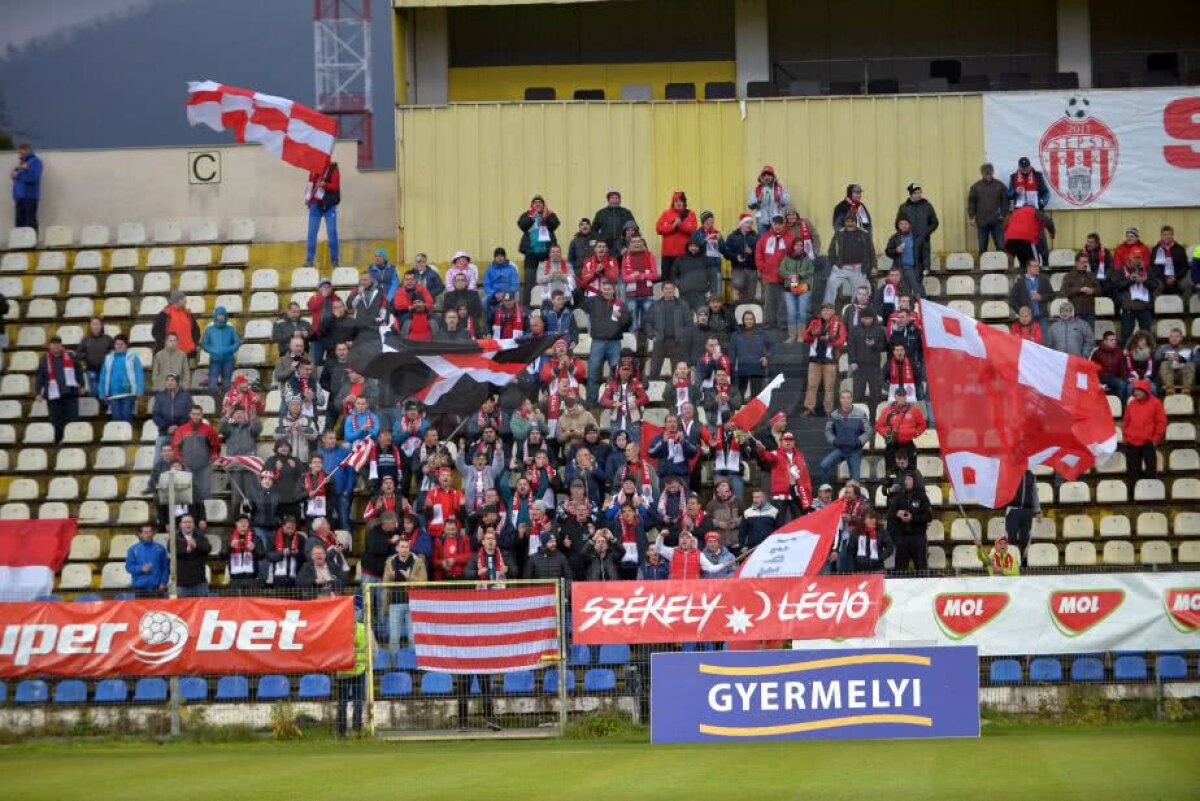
(1041,614)
(1100,149)
(161,637)
(810,695)
(725,610)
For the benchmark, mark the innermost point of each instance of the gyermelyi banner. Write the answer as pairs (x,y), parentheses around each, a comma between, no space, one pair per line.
(809,695)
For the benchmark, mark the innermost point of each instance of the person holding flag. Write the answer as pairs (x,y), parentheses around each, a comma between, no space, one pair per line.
(791,486)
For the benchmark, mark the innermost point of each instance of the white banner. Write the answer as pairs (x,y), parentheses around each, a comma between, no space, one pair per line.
(1039,614)
(1100,149)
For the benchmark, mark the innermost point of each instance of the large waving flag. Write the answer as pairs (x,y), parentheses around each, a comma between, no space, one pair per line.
(31,552)
(292,132)
(464,381)
(1004,404)
(755,410)
(798,548)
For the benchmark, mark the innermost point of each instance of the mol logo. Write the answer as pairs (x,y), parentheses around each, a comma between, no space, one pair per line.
(1078,154)
(1183,608)
(961,613)
(1076,611)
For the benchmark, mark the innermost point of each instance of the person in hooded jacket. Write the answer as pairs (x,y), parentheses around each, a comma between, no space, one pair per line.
(1144,425)
(221,342)
(675,225)
(694,277)
(908,516)
(289,475)
(767,198)
(538,224)
(924,220)
(712,246)
(740,249)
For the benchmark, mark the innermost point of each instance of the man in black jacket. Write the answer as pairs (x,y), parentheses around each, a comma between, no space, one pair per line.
(608,320)
(191,556)
(58,382)
(1020,512)
(171,408)
(667,325)
(608,223)
(1033,290)
(264,510)
(291,325)
(921,214)
(550,563)
(908,517)
(865,346)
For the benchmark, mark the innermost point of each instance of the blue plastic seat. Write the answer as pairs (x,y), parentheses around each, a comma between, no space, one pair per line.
(51,597)
(406,659)
(193,688)
(88,597)
(437,684)
(150,691)
(233,688)
(3,692)
(693,647)
(273,688)
(1170,667)
(599,680)
(550,682)
(1045,669)
(1087,668)
(580,656)
(395,685)
(313,686)
(1005,671)
(1129,668)
(70,691)
(111,691)
(519,682)
(383,660)
(32,691)
(613,655)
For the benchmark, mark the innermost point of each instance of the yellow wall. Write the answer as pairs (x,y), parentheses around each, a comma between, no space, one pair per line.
(509,83)
(465,172)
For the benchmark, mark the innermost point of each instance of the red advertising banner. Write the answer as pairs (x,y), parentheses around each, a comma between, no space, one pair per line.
(726,610)
(162,637)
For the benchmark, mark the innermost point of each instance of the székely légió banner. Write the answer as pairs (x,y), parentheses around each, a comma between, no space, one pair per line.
(1041,614)
(169,637)
(808,695)
(725,610)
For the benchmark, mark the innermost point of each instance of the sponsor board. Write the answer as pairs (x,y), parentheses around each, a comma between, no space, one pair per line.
(1100,148)
(168,637)
(1040,614)
(808,695)
(727,610)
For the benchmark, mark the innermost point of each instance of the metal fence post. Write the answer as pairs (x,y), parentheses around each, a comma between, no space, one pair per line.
(368,613)
(173,593)
(560,602)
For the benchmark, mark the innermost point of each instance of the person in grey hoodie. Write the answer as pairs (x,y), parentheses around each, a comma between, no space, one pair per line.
(848,430)
(924,219)
(1070,334)
(239,437)
(479,476)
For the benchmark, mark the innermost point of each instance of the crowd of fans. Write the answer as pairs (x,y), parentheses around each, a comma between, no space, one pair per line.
(562,478)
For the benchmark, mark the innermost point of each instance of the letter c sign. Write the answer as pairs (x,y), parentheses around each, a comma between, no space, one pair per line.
(204,167)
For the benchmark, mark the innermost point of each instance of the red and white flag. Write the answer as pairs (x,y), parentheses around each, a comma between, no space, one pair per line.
(799,548)
(31,552)
(484,631)
(292,132)
(247,462)
(755,410)
(461,378)
(1003,404)
(360,453)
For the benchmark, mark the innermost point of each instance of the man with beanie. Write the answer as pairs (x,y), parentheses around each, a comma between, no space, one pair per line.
(772,248)
(538,224)
(676,226)
(550,563)
(851,259)
(852,206)
(385,274)
(768,198)
(580,249)
(608,224)
(865,345)
(500,278)
(712,247)
(924,221)
(740,247)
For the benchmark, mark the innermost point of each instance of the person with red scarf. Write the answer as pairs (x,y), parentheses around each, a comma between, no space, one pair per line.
(600,266)
(676,226)
(509,320)
(900,424)
(1170,261)
(58,382)
(538,224)
(1027,186)
(243,395)
(322,194)
(451,552)
(624,395)
(852,206)
(901,373)
(1132,245)
(769,252)
(767,198)
(869,544)
(684,558)
(561,364)
(489,562)
(442,503)
(638,276)
(286,555)
(825,335)
(1025,327)
(791,486)
(244,555)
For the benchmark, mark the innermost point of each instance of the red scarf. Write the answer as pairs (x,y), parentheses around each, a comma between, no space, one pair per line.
(279,541)
(804,234)
(1002,562)
(628,530)
(238,545)
(384,503)
(354,424)
(68,365)
(520,502)
(562,268)
(535,476)
(481,561)
(310,484)
(776,190)
(901,372)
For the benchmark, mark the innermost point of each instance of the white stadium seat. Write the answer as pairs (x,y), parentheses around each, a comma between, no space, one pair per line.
(203,231)
(168,232)
(125,259)
(160,258)
(14,262)
(197,257)
(94,236)
(114,576)
(58,236)
(46,309)
(1118,552)
(231,280)
(1080,554)
(45,286)
(83,285)
(264,279)
(960,261)
(235,254)
(90,260)
(52,261)
(131,234)
(22,239)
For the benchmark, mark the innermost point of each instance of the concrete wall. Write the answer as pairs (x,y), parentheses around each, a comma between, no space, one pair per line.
(82,187)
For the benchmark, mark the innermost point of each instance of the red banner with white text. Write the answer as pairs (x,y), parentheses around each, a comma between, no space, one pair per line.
(164,637)
(726,610)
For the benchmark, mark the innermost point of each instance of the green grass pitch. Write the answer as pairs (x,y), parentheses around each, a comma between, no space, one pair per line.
(1147,762)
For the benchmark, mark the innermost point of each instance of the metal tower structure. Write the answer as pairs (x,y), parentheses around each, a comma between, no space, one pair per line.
(342,42)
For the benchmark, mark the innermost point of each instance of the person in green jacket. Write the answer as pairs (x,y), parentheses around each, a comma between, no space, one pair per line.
(797,272)
(351,684)
(1000,559)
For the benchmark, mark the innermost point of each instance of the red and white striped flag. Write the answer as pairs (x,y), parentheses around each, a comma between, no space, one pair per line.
(31,552)
(249,462)
(356,459)
(484,631)
(292,132)
(755,410)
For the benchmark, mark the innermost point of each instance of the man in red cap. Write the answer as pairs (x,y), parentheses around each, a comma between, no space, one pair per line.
(716,561)
(768,198)
(791,487)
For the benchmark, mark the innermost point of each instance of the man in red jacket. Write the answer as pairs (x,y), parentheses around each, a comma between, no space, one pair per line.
(676,226)
(900,424)
(451,553)
(1144,426)
(791,486)
(769,253)
(684,558)
(1132,244)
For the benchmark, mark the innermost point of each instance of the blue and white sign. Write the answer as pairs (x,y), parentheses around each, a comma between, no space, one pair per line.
(814,695)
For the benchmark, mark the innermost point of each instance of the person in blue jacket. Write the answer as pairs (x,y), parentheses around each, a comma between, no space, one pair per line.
(750,349)
(342,478)
(221,342)
(385,274)
(148,563)
(500,277)
(361,423)
(121,380)
(27,187)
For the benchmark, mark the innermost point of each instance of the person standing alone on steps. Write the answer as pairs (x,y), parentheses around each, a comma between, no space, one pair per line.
(322,194)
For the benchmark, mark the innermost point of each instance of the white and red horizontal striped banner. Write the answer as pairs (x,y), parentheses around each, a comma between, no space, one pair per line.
(484,630)
(31,552)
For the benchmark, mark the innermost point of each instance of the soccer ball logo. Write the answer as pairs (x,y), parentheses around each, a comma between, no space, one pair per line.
(1078,108)
(164,634)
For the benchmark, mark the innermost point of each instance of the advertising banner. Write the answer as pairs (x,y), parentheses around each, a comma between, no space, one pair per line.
(1041,614)
(726,610)
(1100,149)
(162,637)
(814,695)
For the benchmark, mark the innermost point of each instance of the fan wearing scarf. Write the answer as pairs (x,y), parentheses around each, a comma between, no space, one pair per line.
(442,503)
(361,423)
(1000,560)
(489,562)
(286,554)
(244,555)
(58,383)
(869,544)
(672,450)
(791,487)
